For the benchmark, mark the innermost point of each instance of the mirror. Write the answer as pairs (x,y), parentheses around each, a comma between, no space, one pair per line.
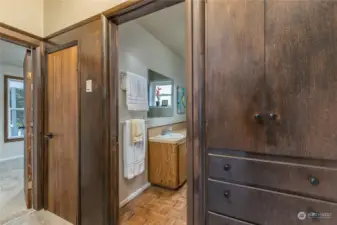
(160,91)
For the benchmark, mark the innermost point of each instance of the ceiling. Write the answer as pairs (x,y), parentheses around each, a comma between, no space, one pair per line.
(11,54)
(169,27)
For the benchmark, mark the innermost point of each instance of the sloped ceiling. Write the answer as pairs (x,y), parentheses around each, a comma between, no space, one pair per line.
(169,27)
(11,54)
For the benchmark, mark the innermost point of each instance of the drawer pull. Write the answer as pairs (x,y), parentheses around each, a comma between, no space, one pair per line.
(314,181)
(227,167)
(226,194)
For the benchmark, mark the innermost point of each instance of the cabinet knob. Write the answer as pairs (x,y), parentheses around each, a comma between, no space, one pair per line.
(314,181)
(258,118)
(226,194)
(273,116)
(227,167)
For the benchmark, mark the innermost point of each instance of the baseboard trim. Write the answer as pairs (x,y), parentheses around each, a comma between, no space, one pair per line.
(134,195)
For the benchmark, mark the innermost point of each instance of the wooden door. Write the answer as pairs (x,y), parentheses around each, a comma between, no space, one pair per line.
(28,143)
(62,135)
(301,76)
(235,74)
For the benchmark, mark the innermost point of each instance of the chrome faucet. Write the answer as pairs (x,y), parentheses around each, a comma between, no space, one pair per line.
(166,131)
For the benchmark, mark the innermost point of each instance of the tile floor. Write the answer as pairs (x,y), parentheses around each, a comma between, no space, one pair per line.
(156,206)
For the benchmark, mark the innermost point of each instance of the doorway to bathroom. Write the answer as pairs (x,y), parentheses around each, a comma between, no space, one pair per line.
(151,154)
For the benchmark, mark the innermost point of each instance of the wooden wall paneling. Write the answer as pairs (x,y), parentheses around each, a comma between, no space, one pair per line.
(301,76)
(235,74)
(93,195)
(113,82)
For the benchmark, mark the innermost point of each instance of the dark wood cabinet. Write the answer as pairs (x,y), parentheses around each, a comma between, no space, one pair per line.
(271,96)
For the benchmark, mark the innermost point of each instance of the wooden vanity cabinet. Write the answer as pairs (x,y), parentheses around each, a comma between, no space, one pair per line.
(167,164)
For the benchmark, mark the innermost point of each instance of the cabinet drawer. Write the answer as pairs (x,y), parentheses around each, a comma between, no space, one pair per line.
(215,219)
(264,207)
(312,181)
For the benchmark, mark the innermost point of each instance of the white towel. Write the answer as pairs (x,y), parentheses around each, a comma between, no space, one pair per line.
(136,92)
(133,154)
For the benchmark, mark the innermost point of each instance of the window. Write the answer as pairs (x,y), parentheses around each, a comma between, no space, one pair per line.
(161,94)
(14,108)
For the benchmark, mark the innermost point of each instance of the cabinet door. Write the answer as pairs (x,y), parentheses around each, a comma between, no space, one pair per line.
(234,74)
(182,163)
(301,76)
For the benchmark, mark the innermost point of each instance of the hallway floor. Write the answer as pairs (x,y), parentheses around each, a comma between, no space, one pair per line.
(12,198)
(156,206)
(38,218)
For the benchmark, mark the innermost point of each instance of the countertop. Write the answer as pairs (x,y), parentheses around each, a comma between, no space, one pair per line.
(178,140)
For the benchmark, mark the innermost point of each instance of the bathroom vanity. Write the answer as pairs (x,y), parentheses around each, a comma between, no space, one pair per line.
(167,159)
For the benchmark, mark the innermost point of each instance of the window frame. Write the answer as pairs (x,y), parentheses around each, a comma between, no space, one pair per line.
(152,92)
(6,109)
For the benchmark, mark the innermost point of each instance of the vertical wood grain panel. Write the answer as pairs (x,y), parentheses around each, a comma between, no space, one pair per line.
(301,74)
(63,124)
(234,74)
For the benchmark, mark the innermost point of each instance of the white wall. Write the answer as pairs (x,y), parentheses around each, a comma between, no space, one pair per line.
(26,15)
(138,52)
(12,149)
(59,14)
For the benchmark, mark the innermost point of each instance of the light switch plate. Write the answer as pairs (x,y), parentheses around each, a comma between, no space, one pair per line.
(88,86)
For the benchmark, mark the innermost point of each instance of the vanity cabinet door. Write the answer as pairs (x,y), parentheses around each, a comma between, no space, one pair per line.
(234,83)
(301,76)
(182,163)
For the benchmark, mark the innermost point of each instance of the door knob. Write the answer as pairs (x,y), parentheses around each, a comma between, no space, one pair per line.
(48,136)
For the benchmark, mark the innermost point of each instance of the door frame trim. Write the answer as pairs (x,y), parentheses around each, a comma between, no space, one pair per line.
(195,63)
(47,51)
(35,43)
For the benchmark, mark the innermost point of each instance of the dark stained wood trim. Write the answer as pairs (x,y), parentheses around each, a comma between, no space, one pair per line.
(189,114)
(6,139)
(195,111)
(19,37)
(140,9)
(17,30)
(113,83)
(106,118)
(45,127)
(38,150)
(61,47)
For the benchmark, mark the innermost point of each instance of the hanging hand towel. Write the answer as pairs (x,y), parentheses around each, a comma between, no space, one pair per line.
(136,92)
(128,152)
(140,151)
(137,132)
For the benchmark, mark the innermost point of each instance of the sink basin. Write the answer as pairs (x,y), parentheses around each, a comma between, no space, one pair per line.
(170,136)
